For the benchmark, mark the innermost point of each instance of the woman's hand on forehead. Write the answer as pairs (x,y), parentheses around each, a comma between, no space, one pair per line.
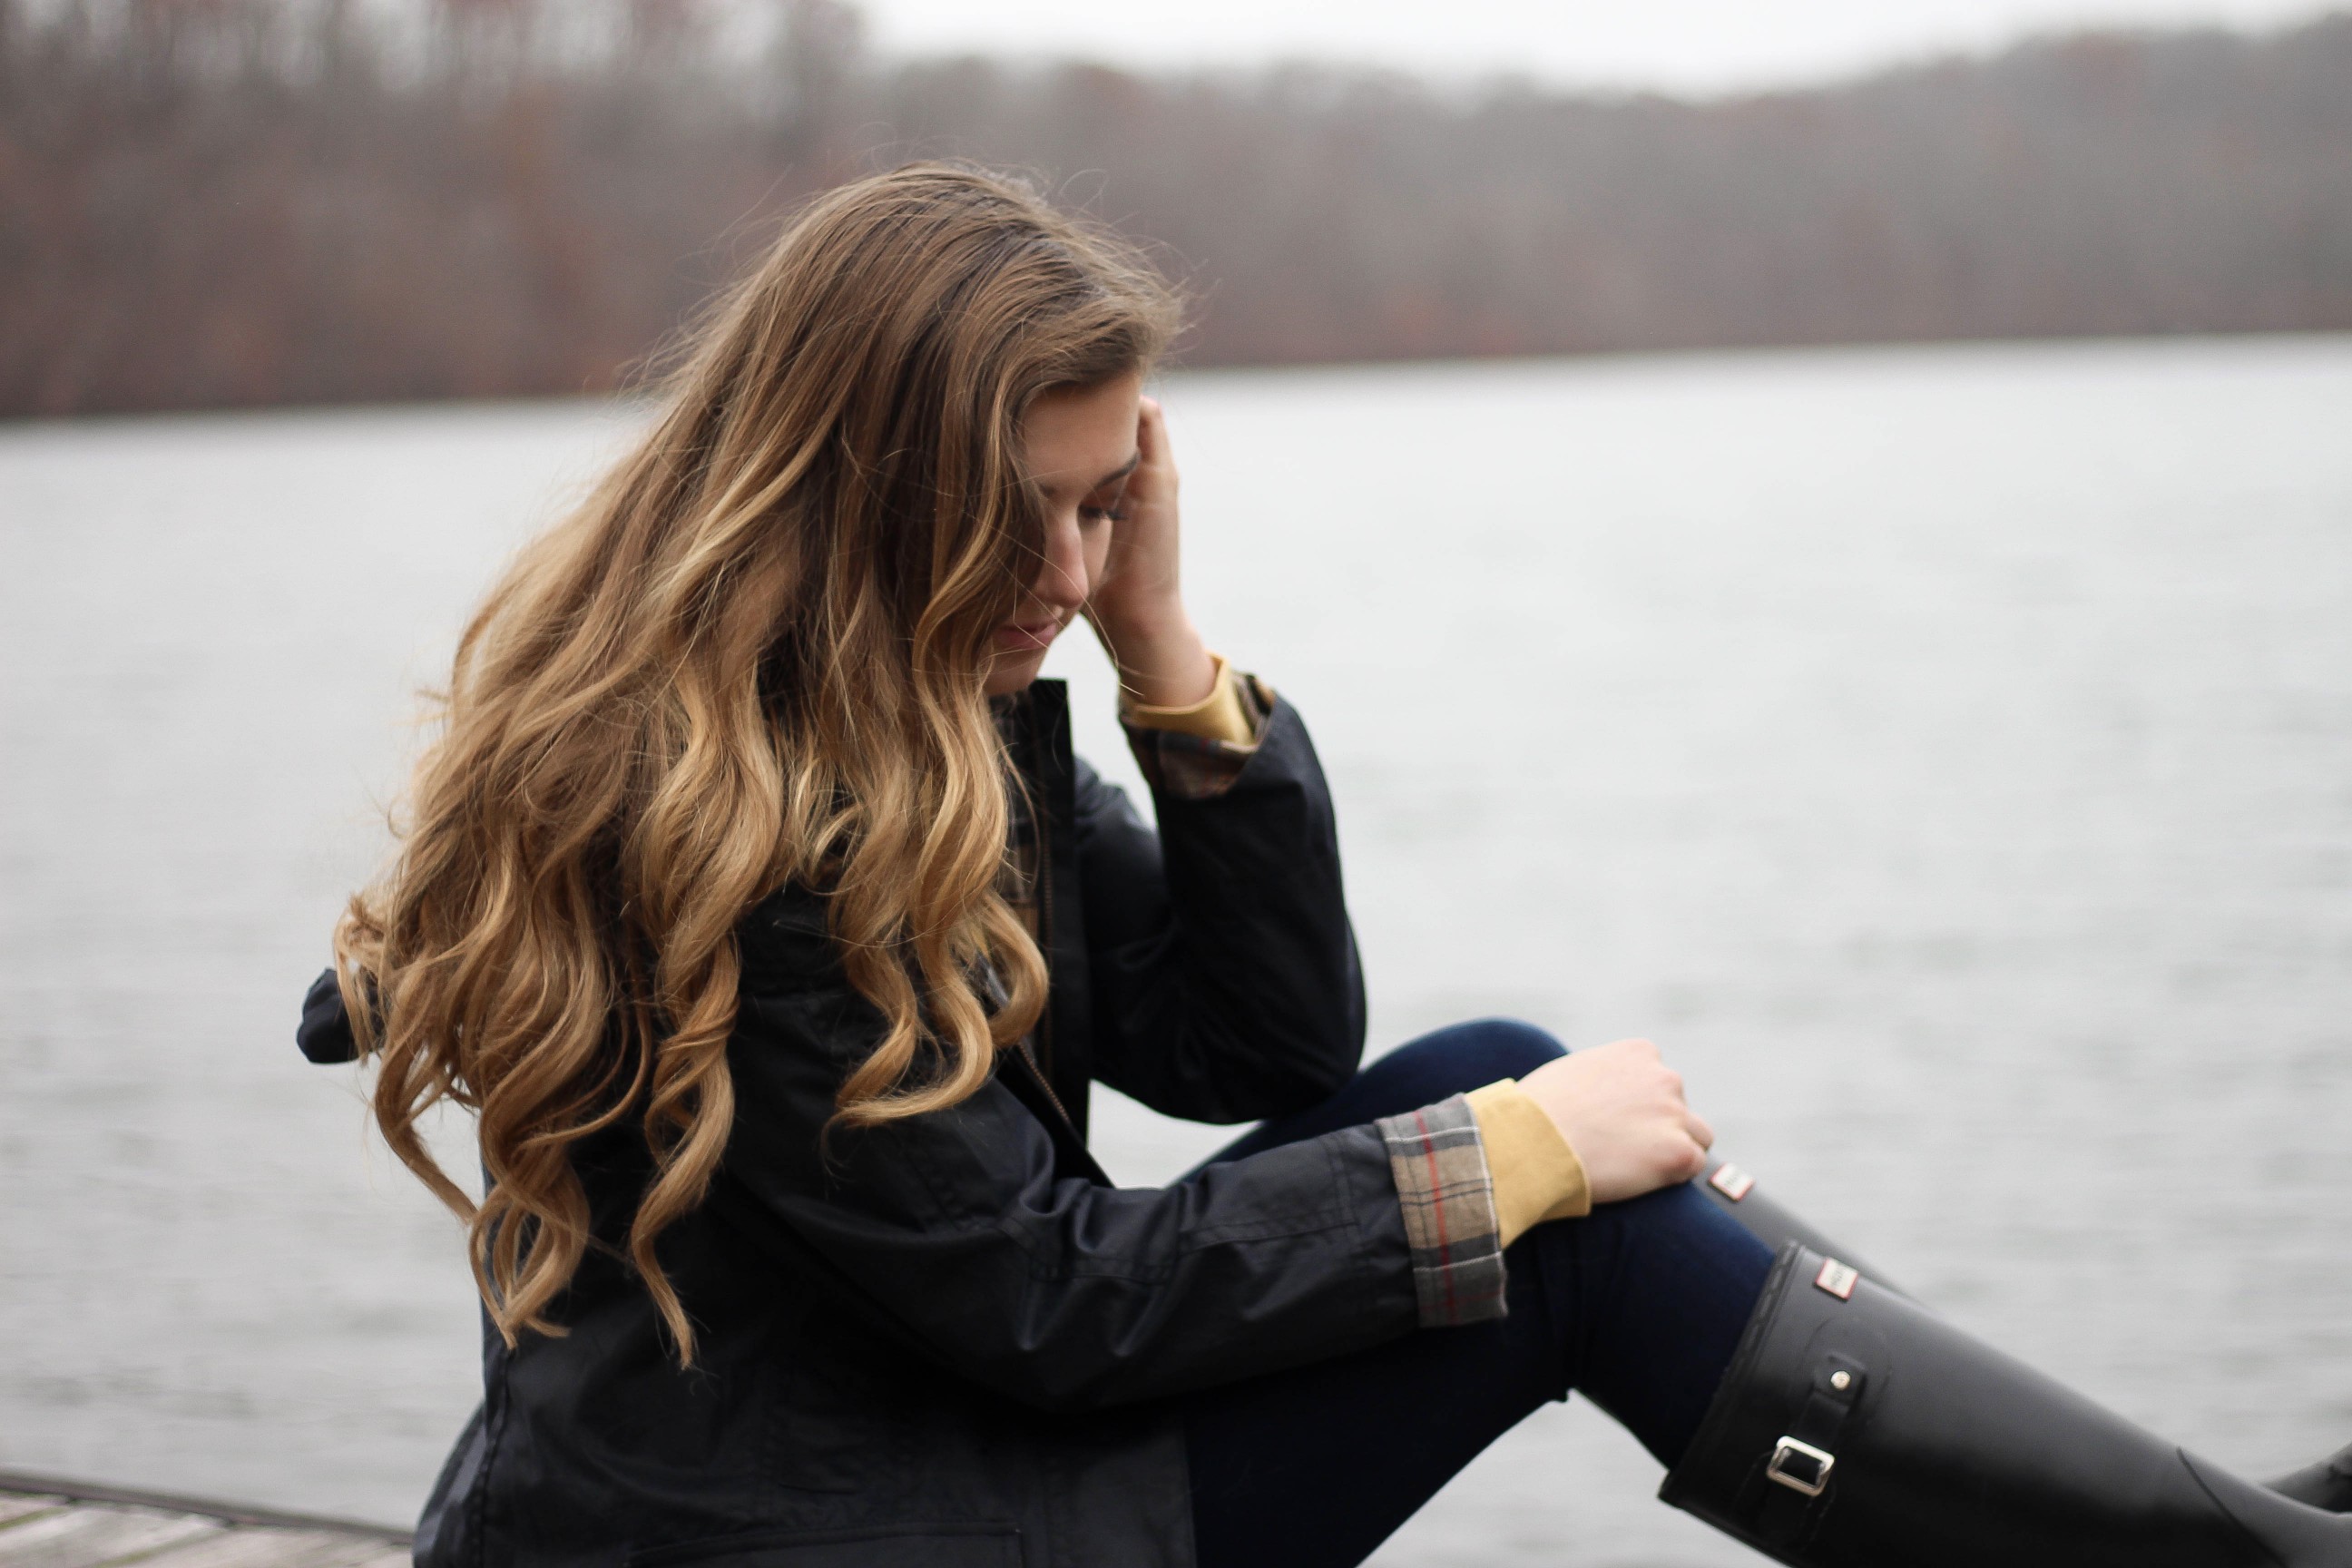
(1137,604)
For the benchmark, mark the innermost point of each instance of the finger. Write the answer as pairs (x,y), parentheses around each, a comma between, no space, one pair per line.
(1701,1133)
(1697,1163)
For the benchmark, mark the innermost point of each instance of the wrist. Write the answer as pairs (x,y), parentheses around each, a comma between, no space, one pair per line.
(1162,660)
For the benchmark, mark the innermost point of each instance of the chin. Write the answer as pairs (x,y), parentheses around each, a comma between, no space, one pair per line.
(1009,676)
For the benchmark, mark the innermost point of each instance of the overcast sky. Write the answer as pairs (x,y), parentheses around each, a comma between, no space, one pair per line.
(1688,45)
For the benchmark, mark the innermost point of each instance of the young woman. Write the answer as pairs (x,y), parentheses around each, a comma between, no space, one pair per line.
(754,904)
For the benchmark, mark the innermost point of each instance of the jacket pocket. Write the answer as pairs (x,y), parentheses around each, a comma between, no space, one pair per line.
(897,1545)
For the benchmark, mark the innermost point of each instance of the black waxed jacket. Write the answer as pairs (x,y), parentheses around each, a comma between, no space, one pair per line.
(949,1340)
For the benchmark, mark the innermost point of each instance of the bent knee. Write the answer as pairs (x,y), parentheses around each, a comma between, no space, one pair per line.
(1466,1056)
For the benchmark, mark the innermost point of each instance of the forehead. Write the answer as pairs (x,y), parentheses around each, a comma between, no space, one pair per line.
(1074,437)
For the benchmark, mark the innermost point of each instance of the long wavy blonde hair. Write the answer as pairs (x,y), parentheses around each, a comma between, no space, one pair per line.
(754,656)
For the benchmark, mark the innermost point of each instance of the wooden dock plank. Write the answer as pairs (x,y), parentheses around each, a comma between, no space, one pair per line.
(92,1537)
(47,1522)
(278,1549)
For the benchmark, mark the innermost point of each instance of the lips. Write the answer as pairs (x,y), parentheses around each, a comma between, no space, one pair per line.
(1031,636)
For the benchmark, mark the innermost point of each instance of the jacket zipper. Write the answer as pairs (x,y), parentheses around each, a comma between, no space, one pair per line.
(1037,1073)
(1040,820)
(1044,1030)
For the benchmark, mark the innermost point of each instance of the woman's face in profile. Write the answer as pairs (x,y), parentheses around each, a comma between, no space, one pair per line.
(1078,447)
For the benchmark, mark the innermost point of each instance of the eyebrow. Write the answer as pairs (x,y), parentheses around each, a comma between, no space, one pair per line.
(1121,473)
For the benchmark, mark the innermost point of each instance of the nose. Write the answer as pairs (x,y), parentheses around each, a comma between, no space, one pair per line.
(1061,584)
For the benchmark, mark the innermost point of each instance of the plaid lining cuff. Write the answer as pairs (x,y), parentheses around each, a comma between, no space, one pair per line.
(1439,1161)
(1191,767)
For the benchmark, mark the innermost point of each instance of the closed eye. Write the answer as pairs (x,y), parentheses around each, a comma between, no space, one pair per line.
(1092,511)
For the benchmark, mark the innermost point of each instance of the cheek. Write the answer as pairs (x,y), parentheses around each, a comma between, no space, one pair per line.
(1097,550)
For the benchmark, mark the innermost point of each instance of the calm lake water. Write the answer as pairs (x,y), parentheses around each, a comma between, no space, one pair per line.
(1946,755)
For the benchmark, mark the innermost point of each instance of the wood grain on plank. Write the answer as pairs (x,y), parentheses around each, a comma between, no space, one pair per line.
(91,1537)
(112,1528)
(258,1548)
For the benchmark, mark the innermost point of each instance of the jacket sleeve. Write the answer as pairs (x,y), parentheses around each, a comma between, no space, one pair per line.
(1058,1292)
(1223,972)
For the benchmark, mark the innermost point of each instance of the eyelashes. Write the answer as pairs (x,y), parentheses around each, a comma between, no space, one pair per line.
(1114,509)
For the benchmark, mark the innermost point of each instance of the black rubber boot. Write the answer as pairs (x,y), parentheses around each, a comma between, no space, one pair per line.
(1855,1429)
(1738,1194)
(2328,1484)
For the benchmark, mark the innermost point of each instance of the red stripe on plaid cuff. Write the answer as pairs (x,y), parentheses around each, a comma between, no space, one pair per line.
(1447,1198)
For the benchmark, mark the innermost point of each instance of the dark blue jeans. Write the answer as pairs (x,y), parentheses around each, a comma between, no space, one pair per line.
(1639,1306)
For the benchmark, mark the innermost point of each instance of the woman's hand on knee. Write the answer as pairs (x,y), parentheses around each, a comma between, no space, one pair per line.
(1620,1107)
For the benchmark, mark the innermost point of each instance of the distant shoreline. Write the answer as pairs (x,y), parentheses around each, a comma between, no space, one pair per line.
(298,206)
(621,402)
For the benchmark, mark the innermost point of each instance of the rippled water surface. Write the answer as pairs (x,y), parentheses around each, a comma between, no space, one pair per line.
(1946,754)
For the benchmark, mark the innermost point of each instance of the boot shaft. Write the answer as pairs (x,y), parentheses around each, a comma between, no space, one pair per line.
(1853,1429)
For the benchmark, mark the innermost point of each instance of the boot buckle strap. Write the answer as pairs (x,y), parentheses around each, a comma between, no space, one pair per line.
(1799,1466)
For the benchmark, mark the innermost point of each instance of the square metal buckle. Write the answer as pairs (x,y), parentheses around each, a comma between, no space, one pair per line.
(1810,1474)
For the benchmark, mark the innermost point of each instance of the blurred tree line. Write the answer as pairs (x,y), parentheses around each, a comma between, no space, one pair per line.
(230,202)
